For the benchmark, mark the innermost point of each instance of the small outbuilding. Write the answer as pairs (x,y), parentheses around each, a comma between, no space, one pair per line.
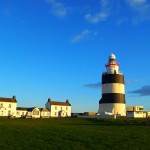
(44,113)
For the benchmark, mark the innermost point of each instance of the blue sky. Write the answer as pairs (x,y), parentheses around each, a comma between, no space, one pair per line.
(58,48)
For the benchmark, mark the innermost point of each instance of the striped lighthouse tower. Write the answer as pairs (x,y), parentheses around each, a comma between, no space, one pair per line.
(113,90)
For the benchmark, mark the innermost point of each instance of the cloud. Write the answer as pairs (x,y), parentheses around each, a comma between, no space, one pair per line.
(143,91)
(58,8)
(121,21)
(100,16)
(141,9)
(129,81)
(85,34)
(114,11)
(94,85)
(136,2)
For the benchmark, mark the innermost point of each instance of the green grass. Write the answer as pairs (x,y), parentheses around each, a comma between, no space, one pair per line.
(74,134)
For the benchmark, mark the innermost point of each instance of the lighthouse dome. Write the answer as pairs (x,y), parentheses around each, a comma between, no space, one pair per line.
(112,56)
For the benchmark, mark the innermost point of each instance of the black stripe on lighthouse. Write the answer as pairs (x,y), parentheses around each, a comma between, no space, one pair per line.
(112,98)
(112,78)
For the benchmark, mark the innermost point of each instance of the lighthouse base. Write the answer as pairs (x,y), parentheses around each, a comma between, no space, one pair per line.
(113,108)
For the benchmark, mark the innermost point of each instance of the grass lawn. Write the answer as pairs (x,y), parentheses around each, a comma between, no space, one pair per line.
(74,134)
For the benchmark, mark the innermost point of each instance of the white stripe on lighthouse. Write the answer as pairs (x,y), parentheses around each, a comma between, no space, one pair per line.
(113,88)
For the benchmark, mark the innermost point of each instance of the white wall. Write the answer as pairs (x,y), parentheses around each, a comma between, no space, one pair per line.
(28,114)
(8,108)
(20,113)
(36,113)
(114,108)
(45,114)
(113,88)
(55,111)
(135,115)
(112,68)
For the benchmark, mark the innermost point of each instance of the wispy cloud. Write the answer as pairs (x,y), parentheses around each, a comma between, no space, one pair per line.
(84,35)
(113,10)
(143,91)
(93,85)
(129,81)
(58,8)
(141,9)
(100,16)
(121,21)
(135,3)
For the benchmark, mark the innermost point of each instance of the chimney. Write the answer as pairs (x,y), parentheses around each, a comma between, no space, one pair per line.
(49,100)
(14,97)
(67,101)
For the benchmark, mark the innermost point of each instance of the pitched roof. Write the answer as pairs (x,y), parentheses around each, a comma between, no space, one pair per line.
(12,100)
(22,108)
(31,109)
(44,109)
(60,103)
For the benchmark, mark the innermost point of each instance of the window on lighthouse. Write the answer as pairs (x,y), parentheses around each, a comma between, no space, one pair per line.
(111,60)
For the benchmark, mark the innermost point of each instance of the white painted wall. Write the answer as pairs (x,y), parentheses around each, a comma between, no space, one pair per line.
(114,108)
(111,69)
(135,114)
(36,113)
(146,114)
(28,114)
(20,113)
(55,111)
(8,108)
(113,88)
(45,114)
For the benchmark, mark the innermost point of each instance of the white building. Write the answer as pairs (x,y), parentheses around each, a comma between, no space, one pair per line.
(21,112)
(8,106)
(135,112)
(32,112)
(59,109)
(45,113)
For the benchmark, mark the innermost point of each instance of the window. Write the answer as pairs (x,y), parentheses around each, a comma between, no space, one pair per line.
(22,113)
(1,104)
(55,107)
(9,112)
(1,112)
(9,106)
(66,114)
(55,113)
(61,108)
(140,108)
(18,113)
(35,112)
(66,108)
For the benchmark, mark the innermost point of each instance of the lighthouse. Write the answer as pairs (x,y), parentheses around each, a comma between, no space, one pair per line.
(113,89)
